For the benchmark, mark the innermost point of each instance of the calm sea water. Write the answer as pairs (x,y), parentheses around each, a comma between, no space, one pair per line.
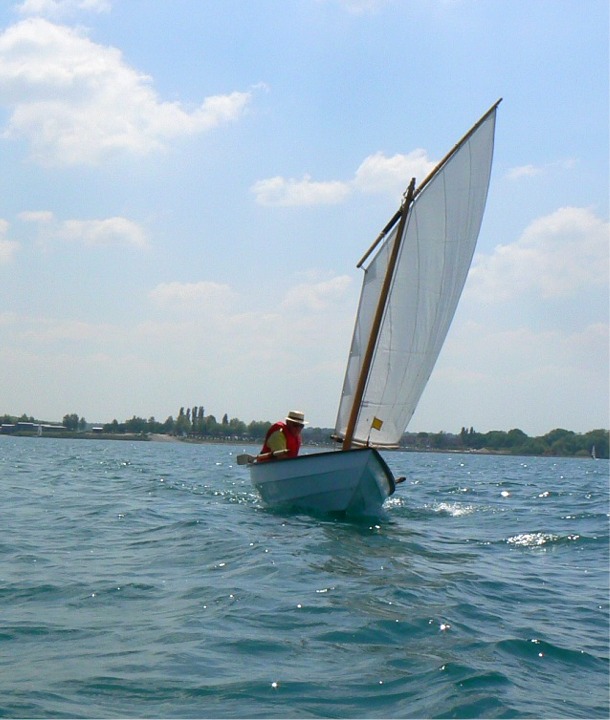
(147,580)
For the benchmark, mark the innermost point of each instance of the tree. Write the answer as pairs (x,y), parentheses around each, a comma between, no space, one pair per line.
(439,440)
(423,439)
(258,429)
(201,425)
(561,442)
(237,427)
(495,439)
(183,424)
(597,439)
(135,425)
(515,438)
(555,435)
(534,446)
(70,422)
(211,425)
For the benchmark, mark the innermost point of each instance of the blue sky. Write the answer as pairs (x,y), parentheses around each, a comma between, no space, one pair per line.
(187,185)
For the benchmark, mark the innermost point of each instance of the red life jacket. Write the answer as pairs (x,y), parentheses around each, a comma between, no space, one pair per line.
(293,442)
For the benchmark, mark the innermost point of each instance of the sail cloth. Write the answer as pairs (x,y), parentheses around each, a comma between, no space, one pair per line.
(437,245)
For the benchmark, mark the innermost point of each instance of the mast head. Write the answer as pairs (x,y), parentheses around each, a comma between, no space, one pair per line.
(407,196)
(409,190)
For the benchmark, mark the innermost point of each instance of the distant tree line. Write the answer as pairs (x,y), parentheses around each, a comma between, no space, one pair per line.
(12,419)
(193,423)
(558,442)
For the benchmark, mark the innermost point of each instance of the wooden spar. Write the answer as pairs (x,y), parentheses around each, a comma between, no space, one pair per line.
(377,320)
(457,146)
(398,213)
(380,237)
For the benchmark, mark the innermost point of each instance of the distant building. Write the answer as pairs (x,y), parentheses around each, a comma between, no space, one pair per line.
(54,428)
(31,427)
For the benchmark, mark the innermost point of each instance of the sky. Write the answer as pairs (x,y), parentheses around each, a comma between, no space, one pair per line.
(186,187)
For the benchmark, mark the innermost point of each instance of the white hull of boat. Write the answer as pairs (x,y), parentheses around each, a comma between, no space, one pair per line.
(355,482)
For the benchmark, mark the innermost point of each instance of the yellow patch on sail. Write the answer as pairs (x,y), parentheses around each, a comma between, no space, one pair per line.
(377,424)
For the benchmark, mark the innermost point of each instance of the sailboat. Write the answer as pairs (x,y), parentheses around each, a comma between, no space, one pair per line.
(414,274)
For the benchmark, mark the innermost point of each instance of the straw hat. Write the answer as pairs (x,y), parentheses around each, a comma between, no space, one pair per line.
(296,416)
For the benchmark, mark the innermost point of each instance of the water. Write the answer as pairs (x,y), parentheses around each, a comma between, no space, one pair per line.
(146,580)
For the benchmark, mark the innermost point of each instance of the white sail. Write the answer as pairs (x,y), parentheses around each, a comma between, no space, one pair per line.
(437,245)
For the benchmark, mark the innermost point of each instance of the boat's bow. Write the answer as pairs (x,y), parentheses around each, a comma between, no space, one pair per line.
(356,482)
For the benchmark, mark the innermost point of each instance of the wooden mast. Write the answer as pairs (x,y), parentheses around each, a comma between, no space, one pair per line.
(378,318)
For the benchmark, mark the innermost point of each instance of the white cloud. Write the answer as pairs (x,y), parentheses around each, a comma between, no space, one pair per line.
(556,256)
(50,330)
(381,174)
(8,248)
(318,296)
(278,191)
(200,295)
(104,232)
(76,101)
(61,8)
(8,318)
(360,7)
(111,231)
(40,216)
(376,174)
(522,171)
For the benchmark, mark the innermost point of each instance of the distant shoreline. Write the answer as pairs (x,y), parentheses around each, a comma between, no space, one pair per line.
(171,439)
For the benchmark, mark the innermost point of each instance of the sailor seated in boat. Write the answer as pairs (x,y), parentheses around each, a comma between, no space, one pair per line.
(283,439)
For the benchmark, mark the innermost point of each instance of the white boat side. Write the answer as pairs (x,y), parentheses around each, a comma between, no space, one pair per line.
(356,482)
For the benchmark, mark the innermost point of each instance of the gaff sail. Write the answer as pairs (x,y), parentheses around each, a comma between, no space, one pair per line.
(436,231)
